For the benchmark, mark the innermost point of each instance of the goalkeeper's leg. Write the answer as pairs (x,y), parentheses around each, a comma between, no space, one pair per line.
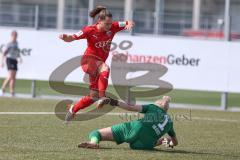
(96,136)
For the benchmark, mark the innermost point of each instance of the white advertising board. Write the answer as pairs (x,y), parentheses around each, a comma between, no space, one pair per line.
(192,64)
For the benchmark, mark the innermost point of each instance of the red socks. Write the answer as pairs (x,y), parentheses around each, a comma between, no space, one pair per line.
(88,100)
(82,103)
(103,83)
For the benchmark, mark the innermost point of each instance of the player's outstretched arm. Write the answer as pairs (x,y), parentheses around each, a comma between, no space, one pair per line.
(66,38)
(135,108)
(130,25)
(125,106)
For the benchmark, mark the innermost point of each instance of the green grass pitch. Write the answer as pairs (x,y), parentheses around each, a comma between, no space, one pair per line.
(212,135)
(180,96)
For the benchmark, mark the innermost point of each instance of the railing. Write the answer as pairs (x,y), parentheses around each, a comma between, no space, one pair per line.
(17,15)
(178,24)
(75,18)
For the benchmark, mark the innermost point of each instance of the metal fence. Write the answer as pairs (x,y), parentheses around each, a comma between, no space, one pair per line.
(75,18)
(17,15)
(179,24)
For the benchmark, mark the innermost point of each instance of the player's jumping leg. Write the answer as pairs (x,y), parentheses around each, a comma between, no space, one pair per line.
(102,83)
(85,101)
(81,104)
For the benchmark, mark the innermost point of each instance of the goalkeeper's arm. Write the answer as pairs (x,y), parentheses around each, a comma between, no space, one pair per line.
(123,105)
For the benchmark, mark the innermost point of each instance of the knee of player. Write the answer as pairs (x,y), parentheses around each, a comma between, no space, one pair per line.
(94,95)
(107,68)
(104,74)
(104,67)
(95,136)
(95,133)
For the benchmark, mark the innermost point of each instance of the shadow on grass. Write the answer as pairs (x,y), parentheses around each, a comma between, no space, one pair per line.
(173,151)
(197,153)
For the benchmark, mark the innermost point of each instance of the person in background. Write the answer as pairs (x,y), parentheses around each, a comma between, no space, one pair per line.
(11,55)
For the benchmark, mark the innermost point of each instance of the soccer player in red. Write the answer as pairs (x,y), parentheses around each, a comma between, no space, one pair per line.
(99,37)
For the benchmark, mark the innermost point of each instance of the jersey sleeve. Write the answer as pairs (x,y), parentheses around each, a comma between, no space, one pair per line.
(149,108)
(119,25)
(82,34)
(144,108)
(171,132)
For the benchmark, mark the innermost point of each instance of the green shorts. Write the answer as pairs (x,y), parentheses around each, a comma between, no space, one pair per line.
(133,133)
(126,132)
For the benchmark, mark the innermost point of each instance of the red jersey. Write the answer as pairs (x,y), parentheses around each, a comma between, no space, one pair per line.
(99,42)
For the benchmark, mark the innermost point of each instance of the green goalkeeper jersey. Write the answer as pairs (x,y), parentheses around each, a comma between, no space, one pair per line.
(144,133)
(155,123)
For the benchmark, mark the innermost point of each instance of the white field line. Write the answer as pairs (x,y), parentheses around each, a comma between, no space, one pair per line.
(114,114)
(172,105)
(215,119)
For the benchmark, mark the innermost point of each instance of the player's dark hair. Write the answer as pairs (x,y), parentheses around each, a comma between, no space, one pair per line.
(101,12)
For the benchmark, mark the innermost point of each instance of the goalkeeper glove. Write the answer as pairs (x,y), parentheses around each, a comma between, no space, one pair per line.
(167,143)
(113,102)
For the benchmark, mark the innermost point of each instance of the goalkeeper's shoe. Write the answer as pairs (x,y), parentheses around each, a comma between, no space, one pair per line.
(88,145)
(70,115)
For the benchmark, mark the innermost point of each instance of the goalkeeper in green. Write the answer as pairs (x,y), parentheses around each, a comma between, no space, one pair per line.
(145,133)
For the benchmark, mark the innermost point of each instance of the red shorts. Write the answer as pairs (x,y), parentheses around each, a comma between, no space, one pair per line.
(90,65)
